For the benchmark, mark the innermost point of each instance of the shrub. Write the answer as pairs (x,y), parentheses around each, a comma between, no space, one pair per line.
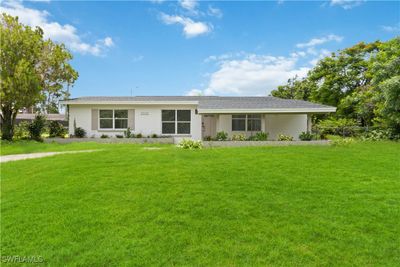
(190,144)
(21,130)
(104,136)
(80,132)
(119,136)
(343,127)
(375,135)
(56,129)
(342,142)
(282,137)
(36,127)
(128,133)
(238,137)
(261,136)
(139,135)
(222,136)
(154,136)
(207,138)
(306,136)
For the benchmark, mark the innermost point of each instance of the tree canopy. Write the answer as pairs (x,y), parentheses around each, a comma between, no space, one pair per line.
(34,71)
(362,81)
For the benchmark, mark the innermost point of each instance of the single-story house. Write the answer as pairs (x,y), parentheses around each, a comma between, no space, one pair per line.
(194,117)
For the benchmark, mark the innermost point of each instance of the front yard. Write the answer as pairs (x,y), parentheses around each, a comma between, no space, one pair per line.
(135,206)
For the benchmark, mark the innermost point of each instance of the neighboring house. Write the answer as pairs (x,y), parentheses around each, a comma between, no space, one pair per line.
(49,117)
(192,116)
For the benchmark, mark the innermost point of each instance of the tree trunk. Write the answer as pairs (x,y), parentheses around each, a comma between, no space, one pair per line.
(7,124)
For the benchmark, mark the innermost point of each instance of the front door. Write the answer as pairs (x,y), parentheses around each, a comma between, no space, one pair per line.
(208,125)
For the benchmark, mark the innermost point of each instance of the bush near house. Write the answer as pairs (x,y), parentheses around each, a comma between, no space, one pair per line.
(80,132)
(306,136)
(190,144)
(128,133)
(56,129)
(261,136)
(282,137)
(36,128)
(21,130)
(221,136)
(238,137)
(343,127)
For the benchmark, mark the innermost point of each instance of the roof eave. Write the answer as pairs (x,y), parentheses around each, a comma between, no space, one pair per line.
(73,102)
(268,110)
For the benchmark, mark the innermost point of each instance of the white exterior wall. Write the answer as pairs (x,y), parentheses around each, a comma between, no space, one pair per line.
(288,124)
(147,119)
(273,124)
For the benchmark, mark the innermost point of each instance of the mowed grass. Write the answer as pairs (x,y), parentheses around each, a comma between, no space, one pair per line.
(26,147)
(257,206)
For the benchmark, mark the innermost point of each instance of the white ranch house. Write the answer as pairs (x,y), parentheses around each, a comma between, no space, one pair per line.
(194,117)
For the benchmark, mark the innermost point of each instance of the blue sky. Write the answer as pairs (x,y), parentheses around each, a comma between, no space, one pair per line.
(202,47)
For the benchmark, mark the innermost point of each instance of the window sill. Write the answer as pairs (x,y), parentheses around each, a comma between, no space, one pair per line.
(111,130)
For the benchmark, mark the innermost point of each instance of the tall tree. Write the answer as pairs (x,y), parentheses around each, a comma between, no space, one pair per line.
(296,89)
(32,69)
(341,74)
(385,72)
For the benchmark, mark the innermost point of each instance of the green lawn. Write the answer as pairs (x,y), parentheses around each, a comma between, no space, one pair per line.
(256,206)
(24,147)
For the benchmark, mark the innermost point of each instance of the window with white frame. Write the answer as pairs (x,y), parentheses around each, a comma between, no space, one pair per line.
(111,119)
(249,122)
(175,121)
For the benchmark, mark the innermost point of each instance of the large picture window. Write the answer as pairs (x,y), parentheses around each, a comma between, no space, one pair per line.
(175,121)
(249,122)
(238,122)
(113,119)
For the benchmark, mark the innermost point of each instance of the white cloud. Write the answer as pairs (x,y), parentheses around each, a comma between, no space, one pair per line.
(108,41)
(190,28)
(250,74)
(188,4)
(214,12)
(346,4)
(66,33)
(391,28)
(241,73)
(322,53)
(318,41)
(194,92)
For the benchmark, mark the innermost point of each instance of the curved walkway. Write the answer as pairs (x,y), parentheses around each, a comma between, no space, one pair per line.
(40,155)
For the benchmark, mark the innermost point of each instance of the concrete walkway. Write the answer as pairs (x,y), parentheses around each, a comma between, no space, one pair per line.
(40,155)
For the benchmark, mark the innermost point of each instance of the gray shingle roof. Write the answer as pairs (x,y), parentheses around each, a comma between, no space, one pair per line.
(212,102)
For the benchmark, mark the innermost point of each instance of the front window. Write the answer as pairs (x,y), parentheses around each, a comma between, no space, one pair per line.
(113,119)
(176,121)
(251,122)
(238,122)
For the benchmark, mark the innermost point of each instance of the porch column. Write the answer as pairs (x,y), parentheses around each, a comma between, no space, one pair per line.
(309,123)
(263,124)
(217,123)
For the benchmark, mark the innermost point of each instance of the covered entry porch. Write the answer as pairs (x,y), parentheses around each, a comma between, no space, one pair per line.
(249,124)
